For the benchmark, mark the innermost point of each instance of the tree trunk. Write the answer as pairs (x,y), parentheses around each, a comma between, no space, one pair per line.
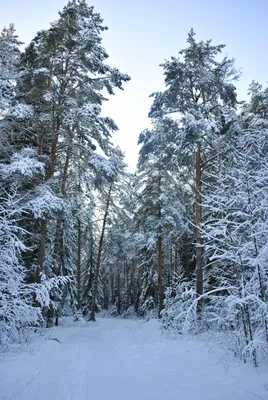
(170,265)
(132,287)
(127,285)
(97,271)
(41,252)
(112,287)
(160,275)
(118,305)
(65,171)
(41,140)
(160,257)
(53,151)
(58,245)
(79,248)
(58,241)
(198,218)
(49,174)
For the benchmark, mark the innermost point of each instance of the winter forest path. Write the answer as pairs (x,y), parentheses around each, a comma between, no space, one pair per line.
(117,359)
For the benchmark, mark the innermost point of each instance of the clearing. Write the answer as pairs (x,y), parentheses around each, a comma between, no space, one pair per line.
(117,359)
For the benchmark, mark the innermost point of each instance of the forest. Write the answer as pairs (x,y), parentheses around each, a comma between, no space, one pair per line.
(183,239)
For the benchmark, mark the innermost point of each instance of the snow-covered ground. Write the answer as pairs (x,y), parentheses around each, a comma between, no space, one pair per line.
(117,359)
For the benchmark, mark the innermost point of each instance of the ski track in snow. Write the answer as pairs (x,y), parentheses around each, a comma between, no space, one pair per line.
(117,359)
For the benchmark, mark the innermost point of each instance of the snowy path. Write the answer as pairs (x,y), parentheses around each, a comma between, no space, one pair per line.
(124,360)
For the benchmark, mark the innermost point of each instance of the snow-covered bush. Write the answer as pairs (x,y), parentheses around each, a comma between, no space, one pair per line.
(16,298)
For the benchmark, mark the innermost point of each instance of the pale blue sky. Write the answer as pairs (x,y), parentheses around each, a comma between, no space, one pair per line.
(142,33)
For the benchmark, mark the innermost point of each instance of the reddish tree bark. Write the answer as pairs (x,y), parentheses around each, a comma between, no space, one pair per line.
(198,219)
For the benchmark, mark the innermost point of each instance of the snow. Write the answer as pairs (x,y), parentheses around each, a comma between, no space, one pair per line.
(108,166)
(23,162)
(125,360)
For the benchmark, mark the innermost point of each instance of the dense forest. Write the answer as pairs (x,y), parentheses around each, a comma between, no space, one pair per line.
(184,238)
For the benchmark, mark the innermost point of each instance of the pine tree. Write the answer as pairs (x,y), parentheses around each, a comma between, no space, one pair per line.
(237,225)
(161,209)
(108,173)
(63,81)
(198,89)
